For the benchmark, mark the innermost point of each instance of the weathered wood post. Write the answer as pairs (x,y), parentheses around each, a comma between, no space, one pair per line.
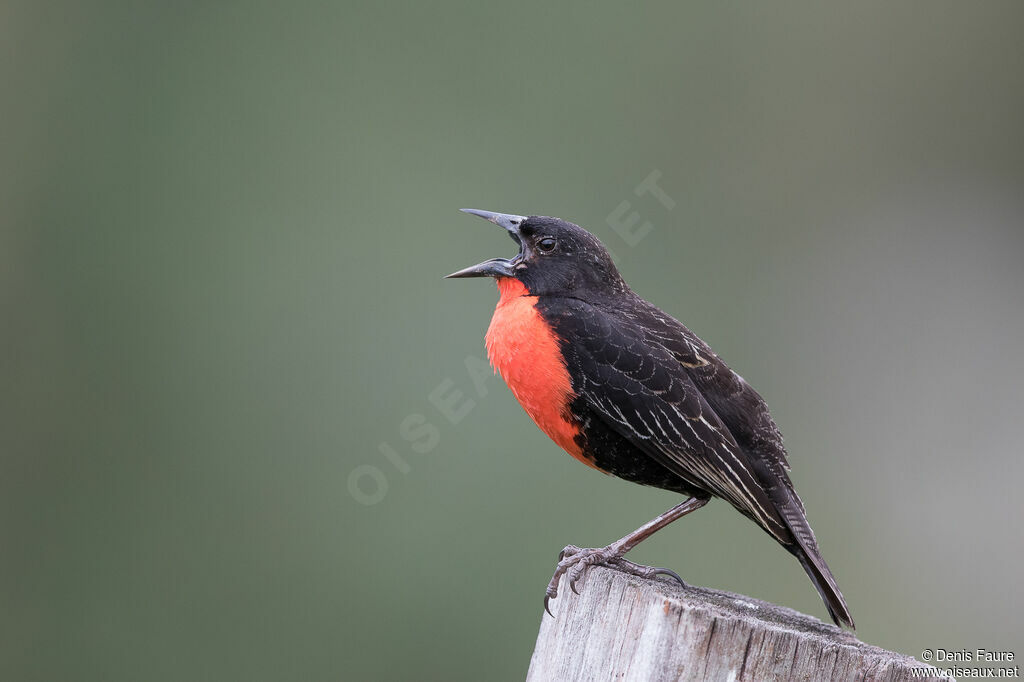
(624,628)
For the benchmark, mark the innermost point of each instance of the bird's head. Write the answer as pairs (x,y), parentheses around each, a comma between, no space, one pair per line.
(555,257)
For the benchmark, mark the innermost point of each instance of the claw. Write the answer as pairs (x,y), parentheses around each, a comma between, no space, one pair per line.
(670,573)
(573,563)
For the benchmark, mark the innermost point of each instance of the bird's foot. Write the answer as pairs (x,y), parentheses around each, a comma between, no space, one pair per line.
(573,562)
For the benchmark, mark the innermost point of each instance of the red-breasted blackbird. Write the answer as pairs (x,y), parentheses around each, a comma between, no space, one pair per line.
(628,390)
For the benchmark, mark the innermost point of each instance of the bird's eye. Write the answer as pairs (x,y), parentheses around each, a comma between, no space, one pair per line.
(547,245)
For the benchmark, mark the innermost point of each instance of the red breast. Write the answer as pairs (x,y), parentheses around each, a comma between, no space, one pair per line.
(523,348)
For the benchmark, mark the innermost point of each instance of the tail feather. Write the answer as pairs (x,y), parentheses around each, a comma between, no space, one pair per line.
(805,548)
(817,571)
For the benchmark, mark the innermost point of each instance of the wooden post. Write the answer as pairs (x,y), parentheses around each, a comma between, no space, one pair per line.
(624,628)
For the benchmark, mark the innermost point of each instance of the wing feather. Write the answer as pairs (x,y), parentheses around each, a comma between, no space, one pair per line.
(643,391)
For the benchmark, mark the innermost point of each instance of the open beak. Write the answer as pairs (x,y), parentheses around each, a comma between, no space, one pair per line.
(495,267)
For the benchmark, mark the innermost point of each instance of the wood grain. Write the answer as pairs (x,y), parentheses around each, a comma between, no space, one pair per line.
(624,628)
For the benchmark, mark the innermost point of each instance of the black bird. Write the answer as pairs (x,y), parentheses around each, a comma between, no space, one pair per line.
(627,389)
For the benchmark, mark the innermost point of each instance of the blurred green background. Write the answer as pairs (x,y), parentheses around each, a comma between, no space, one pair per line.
(223,228)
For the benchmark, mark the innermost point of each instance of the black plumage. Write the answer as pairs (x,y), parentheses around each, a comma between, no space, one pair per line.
(654,404)
(658,407)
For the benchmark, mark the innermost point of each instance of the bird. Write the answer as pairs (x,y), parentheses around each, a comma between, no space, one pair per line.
(628,390)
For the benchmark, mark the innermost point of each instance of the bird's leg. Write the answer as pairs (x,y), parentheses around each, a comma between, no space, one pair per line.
(573,561)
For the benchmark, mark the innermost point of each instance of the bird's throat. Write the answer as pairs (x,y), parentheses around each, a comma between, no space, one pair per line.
(510,288)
